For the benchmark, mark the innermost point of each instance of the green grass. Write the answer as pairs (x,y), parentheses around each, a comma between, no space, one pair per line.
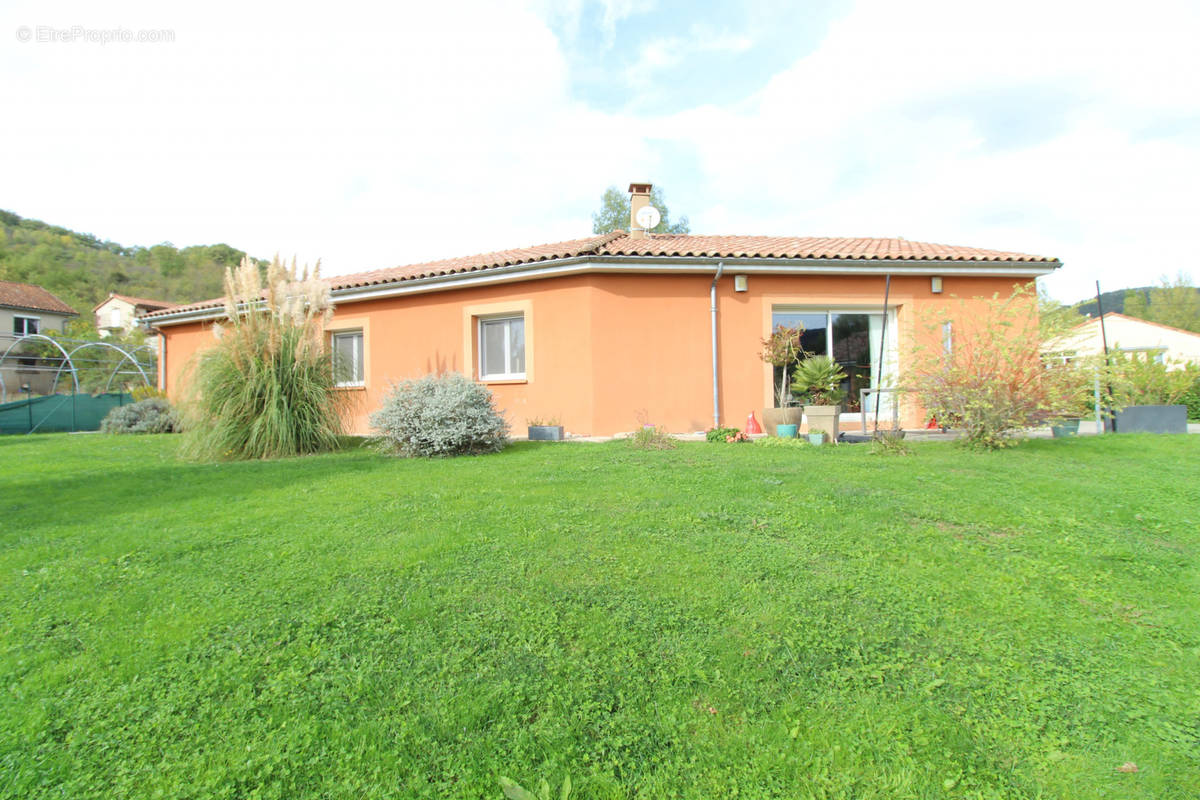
(712,621)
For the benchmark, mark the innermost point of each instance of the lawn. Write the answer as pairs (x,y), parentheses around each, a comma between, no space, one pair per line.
(712,621)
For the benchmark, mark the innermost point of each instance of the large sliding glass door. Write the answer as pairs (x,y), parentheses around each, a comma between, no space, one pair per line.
(852,338)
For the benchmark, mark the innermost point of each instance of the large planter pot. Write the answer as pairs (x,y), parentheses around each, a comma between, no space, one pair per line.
(1065,428)
(773,417)
(823,419)
(545,433)
(1152,419)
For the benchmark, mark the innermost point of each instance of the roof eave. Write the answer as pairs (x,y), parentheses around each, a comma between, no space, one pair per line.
(655,264)
(40,310)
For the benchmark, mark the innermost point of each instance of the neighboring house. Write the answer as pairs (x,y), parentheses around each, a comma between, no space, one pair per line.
(612,331)
(26,309)
(1128,335)
(118,313)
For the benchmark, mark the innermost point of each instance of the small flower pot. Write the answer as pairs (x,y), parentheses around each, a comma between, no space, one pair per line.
(545,433)
(785,431)
(816,438)
(773,417)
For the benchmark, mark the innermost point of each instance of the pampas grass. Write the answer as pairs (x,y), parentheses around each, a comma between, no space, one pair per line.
(265,389)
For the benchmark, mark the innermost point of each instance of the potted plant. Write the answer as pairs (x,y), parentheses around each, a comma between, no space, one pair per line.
(545,430)
(817,381)
(782,350)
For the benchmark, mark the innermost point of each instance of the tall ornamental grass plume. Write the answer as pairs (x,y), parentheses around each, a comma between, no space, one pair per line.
(982,369)
(266,388)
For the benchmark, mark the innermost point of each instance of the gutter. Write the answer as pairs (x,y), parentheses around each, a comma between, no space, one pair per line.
(712,293)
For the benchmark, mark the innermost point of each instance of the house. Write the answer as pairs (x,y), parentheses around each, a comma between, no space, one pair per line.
(118,313)
(611,331)
(1129,335)
(26,310)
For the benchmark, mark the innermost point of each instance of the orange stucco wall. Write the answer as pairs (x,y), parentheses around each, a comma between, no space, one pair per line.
(607,352)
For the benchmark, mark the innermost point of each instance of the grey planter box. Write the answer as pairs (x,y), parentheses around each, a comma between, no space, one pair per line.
(1152,419)
(545,433)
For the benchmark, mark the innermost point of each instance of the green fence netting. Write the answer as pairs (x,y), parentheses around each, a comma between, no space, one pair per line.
(59,412)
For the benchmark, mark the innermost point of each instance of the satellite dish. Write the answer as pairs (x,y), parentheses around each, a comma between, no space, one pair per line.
(648,217)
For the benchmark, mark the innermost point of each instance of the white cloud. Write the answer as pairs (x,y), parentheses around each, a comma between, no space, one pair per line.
(843,142)
(368,141)
(670,51)
(374,137)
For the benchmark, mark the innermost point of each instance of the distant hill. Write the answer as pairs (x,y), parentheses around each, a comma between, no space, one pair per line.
(1175,303)
(1114,301)
(82,269)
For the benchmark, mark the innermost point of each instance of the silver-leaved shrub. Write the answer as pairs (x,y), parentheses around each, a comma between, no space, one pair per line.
(152,415)
(439,415)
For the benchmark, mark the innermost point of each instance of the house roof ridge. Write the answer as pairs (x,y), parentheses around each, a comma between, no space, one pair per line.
(491,258)
(1090,320)
(829,247)
(30,296)
(137,301)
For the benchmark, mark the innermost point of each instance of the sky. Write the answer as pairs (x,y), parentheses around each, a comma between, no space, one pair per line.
(371,136)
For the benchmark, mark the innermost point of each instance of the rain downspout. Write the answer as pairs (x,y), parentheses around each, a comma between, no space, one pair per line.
(713,311)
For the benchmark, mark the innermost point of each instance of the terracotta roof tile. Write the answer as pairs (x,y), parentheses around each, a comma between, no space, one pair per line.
(618,243)
(34,298)
(806,247)
(500,258)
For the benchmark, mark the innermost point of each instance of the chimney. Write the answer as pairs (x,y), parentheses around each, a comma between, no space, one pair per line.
(639,198)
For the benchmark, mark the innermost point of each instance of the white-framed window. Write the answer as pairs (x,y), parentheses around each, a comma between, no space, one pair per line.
(347,349)
(948,337)
(502,348)
(26,326)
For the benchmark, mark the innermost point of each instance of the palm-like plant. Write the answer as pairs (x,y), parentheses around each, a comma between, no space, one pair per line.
(818,380)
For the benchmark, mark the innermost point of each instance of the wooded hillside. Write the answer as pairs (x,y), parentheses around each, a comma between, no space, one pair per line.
(82,269)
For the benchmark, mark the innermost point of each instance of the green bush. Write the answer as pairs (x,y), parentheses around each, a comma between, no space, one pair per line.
(719,435)
(266,389)
(1136,379)
(1191,399)
(439,415)
(152,415)
(993,380)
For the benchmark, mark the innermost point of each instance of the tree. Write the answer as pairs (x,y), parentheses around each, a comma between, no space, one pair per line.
(1054,318)
(1174,302)
(614,213)
(82,270)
